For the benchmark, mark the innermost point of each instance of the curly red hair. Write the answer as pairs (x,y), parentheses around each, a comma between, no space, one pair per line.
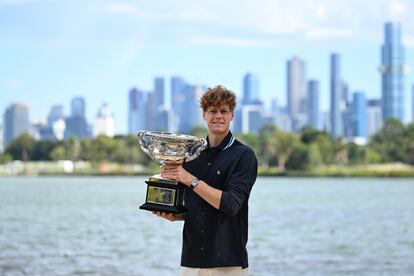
(216,96)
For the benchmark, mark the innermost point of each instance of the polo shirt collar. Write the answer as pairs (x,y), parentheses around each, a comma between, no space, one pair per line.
(226,143)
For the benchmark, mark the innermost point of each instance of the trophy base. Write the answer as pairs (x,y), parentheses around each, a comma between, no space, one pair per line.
(161,208)
(164,195)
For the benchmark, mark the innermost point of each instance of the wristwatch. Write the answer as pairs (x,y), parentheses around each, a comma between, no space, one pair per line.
(194,183)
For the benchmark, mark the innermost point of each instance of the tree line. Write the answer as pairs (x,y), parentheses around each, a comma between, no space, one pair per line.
(307,149)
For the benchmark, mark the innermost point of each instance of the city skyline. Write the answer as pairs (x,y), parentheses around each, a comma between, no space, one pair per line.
(57,59)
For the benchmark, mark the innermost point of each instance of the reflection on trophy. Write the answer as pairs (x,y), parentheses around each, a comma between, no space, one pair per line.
(164,194)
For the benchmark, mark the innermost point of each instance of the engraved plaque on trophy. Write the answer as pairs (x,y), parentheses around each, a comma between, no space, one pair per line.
(167,195)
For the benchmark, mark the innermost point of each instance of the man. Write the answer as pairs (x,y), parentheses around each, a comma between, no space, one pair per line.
(220,180)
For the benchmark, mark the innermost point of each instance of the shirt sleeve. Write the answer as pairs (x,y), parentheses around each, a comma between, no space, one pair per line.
(237,189)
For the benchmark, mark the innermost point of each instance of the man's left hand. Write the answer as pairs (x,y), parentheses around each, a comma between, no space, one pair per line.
(174,170)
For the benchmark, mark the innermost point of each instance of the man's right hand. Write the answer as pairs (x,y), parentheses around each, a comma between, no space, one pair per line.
(168,216)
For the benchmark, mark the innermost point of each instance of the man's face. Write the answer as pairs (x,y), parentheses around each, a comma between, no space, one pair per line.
(218,119)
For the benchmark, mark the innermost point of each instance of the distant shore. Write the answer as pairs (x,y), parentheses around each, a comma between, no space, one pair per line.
(69,168)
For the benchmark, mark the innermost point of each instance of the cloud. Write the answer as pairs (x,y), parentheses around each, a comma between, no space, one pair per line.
(329,33)
(232,41)
(408,41)
(20,2)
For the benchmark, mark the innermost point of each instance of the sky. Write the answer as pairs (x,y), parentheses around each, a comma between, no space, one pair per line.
(54,50)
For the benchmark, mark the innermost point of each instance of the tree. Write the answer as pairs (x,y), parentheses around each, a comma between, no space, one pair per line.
(390,141)
(42,150)
(21,147)
(267,148)
(251,140)
(58,153)
(199,131)
(284,145)
(410,143)
(340,152)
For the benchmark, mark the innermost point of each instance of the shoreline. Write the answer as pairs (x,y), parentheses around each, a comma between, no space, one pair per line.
(394,170)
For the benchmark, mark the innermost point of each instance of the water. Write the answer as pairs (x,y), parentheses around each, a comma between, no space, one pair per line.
(298,226)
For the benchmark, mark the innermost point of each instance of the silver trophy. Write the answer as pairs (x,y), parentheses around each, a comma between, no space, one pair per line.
(167,195)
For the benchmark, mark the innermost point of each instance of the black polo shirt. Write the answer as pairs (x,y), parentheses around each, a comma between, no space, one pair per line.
(218,238)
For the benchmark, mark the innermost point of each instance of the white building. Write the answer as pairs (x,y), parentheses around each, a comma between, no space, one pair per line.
(374,117)
(104,122)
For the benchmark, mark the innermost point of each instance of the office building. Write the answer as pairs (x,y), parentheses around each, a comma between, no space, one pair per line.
(359,115)
(16,122)
(250,89)
(296,92)
(136,111)
(336,88)
(374,116)
(392,71)
(313,104)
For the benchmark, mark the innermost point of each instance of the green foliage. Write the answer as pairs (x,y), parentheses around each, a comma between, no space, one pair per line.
(390,142)
(315,157)
(21,148)
(199,131)
(285,144)
(299,158)
(251,140)
(276,150)
(42,149)
(5,157)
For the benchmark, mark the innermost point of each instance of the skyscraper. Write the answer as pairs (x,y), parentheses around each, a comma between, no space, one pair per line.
(136,111)
(313,103)
(359,115)
(16,122)
(76,124)
(55,113)
(250,89)
(159,90)
(336,96)
(392,72)
(78,107)
(296,92)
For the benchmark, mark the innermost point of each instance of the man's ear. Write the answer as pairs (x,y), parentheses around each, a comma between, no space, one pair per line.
(232,115)
(204,118)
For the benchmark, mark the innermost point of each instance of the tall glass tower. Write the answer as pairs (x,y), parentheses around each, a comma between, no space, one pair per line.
(336,97)
(359,115)
(392,71)
(250,89)
(313,103)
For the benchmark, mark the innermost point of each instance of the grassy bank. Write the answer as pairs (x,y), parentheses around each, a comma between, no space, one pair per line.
(86,168)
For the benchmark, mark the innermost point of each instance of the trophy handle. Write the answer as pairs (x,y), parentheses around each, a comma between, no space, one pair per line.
(140,137)
(199,147)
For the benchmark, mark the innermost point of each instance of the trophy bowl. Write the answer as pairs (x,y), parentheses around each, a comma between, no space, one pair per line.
(165,146)
(167,195)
